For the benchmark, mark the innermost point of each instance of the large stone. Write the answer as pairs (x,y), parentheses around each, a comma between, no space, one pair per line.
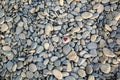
(86,15)
(105,68)
(32,67)
(108,52)
(57,74)
(6,48)
(81,73)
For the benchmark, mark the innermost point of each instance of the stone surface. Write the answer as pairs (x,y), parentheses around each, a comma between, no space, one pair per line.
(4,28)
(6,48)
(32,67)
(72,56)
(92,45)
(105,68)
(86,15)
(66,49)
(57,74)
(108,52)
(81,73)
(46,46)
(39,49)
(29,74)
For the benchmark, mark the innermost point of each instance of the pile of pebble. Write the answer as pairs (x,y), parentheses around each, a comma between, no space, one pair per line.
(60,39)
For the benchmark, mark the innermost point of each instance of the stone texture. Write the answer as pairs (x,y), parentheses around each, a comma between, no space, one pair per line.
(105,68)
(108,52)
(32,67)
(57,74)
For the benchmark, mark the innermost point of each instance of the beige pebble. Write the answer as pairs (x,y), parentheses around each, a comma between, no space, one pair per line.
(108,52)
(61,2)
(46,46)
(107,27)
(4,28)
(72,56)
(69,67)
(57,74)
(93,38)
(105,68)
(6,48)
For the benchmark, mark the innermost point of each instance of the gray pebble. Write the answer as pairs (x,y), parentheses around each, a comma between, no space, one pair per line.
(70,78)
(39,49)
(29,74)
(9,65)
(89,69)
(6,48)
(66,49)
(22,36)
(34,45)
(19,65)
(4,28)
(54,58)
(81,73)
(105,68)
(92,45)
(2,13)
(32,67)
(19,30)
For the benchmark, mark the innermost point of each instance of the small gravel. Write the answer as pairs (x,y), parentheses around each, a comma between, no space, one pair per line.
(32,67)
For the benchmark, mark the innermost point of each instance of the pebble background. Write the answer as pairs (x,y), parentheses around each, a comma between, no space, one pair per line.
(60,39)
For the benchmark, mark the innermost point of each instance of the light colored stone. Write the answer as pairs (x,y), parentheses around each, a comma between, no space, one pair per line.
(39,49)
(86,15)
(93,38)
(9,65)
(54,58)
(32,67)
(20,24)
(91,77)
(102,43)
(14,67)
(61,2)
(46,46)
(72,56)
(69,67)
(81,73)
(105,1)
(19,30)
(22,36)
(92,45)
(76,29)
(2,13)
(55,38)
(4,28)
(69,1)
(108,52)
(29,74)
(66,49)
(9,55)
(57,74)
(99,7)
(117,17)
(48,29)
(105,68)
(6,48)
(89,69)
(107,27)
(66,40)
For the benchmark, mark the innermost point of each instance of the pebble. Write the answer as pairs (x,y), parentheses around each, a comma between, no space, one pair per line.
(4,28)
(2,13)
(14,67)
(29,74)
(32,67)
(69,1)
(9,65)
(57,74)
(93,38)
(69,67)
(99,7)
(66,49)
(9,55)
(105,68)
(92,45)
(107,27)
(55,39)
(108,52)
(72,56)
(39,49)
(56,28)
(22,36)
(46,46)
(91,77)
(86,15)
(20,24)
(54,58)
(48,29)
(81,73)
(6,48)
(19,30)
(70,78)
(89,69)
(61,2)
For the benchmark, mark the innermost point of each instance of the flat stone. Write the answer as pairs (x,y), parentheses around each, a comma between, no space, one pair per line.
(61,2)
(92,45)
(81,73)
(9,55)
(102,43)
(6,48)
(93,38)
(9,65)
(108,52)
(105,68)
(89,69)
(57,74)
(86,15)
(14,67)
(32,67)
(39,49)
(34,46)
(93,52)
(69,67)
(72,56)
(66,39)
(54,58)
(56,28)
(99,7)
(20,65)
(66,49)
(55,39)
(4,28)
(29,74)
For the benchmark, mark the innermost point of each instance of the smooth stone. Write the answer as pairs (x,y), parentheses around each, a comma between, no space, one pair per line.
(55,39)
(32,67)
(54,58)
(86,15)
(81,73)
(76,29)
(46,46)
(93,52)
(29,74)
(8,19)
(9,65)
(6,48)
(91,77)
(14,67)
(78,18)
(108,52)
(57,74)
(105,68)
(102,43)
(4,28)
(19,30)
(2,13)
(70,78)
(36,74)
(81,61)
(29,42)
(20,24)
(66,49)
(93,38)
(48,29)
(92,45)
(20,65)
(69,67)
(69,1)
(56,28)
(46,61)
(39,49)
(34,46)
(89,69)
(57,63)
(9,55)
(22,36)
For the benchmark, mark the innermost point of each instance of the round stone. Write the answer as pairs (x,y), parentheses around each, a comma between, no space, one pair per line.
(86,15)
(39,49)
(32,67)
(29,74)
(22,36)
(46,46)
(81,73)
(92,45)
(105,68)
(57,74)
(4,28)
(89,69)
(108,52)
(91,77)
